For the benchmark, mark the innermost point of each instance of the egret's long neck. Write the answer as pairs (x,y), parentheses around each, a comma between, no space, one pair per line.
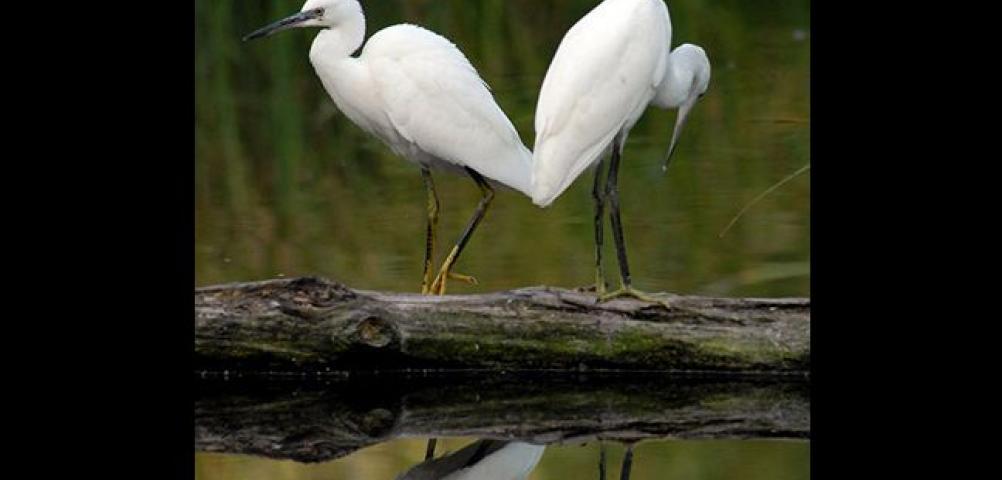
(345,77)
(675,86)
(342,39)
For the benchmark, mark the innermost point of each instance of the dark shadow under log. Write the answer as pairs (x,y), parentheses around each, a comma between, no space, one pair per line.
(315,325)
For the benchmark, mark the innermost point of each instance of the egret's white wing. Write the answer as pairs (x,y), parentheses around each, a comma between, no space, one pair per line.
(513,462)
(481,460)
(602,77)
(435,99)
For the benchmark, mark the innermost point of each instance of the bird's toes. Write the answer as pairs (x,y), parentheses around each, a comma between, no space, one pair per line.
(464,278)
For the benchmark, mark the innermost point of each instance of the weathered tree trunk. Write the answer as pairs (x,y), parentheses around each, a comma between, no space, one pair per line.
(306,325)
(316,421)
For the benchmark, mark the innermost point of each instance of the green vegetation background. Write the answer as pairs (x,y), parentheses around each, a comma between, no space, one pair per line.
(288,186)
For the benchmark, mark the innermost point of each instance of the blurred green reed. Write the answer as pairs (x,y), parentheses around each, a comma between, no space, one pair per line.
(286,185)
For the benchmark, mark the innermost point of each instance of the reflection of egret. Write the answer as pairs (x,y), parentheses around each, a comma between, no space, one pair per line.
(624,474)
(415,91)
(483,459)
(611,65)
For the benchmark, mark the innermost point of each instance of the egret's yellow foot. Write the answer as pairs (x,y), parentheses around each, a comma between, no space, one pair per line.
(438,287)
(427,282)
(630,292)
(599,287)
(428,285)
(464,278)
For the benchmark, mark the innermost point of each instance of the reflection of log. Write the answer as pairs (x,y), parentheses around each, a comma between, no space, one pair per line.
(312,324)
(320,422)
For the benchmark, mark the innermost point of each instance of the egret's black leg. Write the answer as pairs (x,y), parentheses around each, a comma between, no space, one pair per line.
(429,253)
(430,452)
(627,464)
(599,197)
(487,191)
(612,196)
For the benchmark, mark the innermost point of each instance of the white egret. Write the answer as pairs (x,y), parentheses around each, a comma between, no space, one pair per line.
(482,460)
(610,66)
(416,91)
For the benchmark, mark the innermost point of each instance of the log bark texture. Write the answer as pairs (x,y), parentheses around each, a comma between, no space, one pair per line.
(316,325)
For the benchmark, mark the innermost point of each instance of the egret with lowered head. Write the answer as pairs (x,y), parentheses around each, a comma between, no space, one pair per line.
(416,91)
(611,65)
(481,460)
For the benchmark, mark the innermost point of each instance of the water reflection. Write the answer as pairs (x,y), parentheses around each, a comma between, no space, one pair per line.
(324,421)
(652,459)
(627,464)
(484,459)
(499,460)
(530,426)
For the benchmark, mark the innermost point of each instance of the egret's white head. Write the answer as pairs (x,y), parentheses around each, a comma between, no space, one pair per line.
(687,80)
(315,13)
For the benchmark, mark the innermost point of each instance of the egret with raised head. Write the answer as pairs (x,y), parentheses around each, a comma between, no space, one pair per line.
(610,66)
(416,91)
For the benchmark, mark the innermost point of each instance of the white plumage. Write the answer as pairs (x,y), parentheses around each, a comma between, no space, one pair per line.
(419,94)
(602,78)
(610,66)
(415,91)
(438,103)
(481,460)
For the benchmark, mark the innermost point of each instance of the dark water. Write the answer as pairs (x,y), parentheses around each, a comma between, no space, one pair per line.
(286,186)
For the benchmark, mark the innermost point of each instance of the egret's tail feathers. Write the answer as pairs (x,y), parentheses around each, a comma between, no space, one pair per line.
(513,167)
(544,196)
(557,163)
(549,183)
(550,173)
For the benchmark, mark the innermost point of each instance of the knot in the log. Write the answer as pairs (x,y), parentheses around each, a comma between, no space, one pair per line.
(372,328)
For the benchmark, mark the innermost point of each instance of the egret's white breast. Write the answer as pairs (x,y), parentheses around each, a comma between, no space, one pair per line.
(348,82)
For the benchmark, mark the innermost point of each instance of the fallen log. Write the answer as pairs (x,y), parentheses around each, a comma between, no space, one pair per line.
(322,420)
(316,325)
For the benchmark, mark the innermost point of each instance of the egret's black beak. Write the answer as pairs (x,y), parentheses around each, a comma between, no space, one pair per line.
(285,24)
(683,116)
